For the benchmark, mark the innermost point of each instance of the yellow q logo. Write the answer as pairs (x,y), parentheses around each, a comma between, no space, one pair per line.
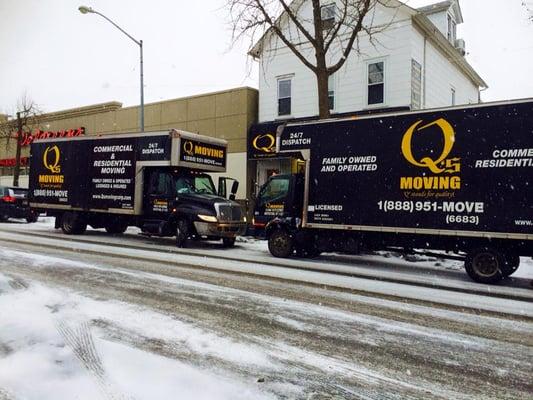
(449,139)
(188,148)
(270,141)
(51,158)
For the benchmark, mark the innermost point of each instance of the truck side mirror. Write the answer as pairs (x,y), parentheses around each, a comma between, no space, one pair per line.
(222,191)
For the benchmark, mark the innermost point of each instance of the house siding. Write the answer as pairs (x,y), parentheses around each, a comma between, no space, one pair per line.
(441,76)
(440,20)
(393,45)
(397,45)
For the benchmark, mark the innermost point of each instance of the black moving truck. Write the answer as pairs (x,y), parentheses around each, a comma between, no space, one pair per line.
(157,181)
(458,179)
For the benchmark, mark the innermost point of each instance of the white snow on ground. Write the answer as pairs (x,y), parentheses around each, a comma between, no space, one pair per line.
(302,274)
(250,247)
(153,324)
(48,350)
(53,346)
(198,341)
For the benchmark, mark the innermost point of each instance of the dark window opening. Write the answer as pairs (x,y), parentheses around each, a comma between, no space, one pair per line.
(331,92)
(284,97)
(376,83)
(327,13)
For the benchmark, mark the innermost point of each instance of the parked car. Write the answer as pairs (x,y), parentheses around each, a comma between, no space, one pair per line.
(14,204)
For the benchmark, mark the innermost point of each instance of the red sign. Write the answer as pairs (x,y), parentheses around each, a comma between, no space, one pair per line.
(11,162)
(28,137)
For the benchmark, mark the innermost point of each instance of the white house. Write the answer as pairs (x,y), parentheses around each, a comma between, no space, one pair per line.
(415,61)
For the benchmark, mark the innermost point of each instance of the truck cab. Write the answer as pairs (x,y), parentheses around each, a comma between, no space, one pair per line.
(184,202)
(280,198)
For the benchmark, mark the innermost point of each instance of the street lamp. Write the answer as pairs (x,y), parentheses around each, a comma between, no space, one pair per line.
(86,10)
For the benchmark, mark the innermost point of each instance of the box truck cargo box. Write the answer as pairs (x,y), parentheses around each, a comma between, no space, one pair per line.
(458,179)
(157,181)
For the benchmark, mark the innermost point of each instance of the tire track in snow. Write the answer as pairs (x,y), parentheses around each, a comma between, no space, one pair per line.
(80,340)
(5,395)
(202,298)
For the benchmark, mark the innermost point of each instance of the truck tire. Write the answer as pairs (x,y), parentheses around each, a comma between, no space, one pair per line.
(485,265)
(72,223)
(33,217)
(281,243)
(116,228)
(512,262)
(228,242)
(182,233)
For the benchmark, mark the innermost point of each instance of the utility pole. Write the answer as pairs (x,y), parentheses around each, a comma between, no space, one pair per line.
(16,172)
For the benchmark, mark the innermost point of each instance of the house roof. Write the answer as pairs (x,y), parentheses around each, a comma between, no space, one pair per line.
(443,6)
(422,21)
(255,51)
(451,53)
(257,47)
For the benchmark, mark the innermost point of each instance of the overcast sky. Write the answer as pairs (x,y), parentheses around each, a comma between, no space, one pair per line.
(63,59)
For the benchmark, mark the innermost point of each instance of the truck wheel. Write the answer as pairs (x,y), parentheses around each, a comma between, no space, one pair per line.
(485,265)
(512,262)
(182,233)
(33,217)
(281,244)
(228,242)
(4,218)
(73,223)
(116,228)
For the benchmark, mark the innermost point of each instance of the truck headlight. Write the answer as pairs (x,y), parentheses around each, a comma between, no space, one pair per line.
(207,218)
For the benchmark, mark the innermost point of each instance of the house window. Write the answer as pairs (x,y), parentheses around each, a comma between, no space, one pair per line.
(376,83)
(452,29)
(331,92)
(453,96)
(284,96)
(327,13)
(416,85)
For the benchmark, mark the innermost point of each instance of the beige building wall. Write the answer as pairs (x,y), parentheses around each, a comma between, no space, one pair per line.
(7,180)
(225,115)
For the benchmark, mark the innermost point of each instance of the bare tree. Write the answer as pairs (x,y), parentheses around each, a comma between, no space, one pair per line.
(322,43)
(26,117)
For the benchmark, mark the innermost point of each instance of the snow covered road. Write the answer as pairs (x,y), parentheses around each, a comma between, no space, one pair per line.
(427,279)
(94,326)
(102,324)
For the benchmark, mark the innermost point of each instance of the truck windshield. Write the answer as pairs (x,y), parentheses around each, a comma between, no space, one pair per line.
(195,184)
(275,190)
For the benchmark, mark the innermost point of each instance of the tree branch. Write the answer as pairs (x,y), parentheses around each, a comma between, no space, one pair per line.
(337,27)
(297,23)
(361,16)
(280,34)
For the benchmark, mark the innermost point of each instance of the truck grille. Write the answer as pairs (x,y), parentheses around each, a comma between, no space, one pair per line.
(228,212)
